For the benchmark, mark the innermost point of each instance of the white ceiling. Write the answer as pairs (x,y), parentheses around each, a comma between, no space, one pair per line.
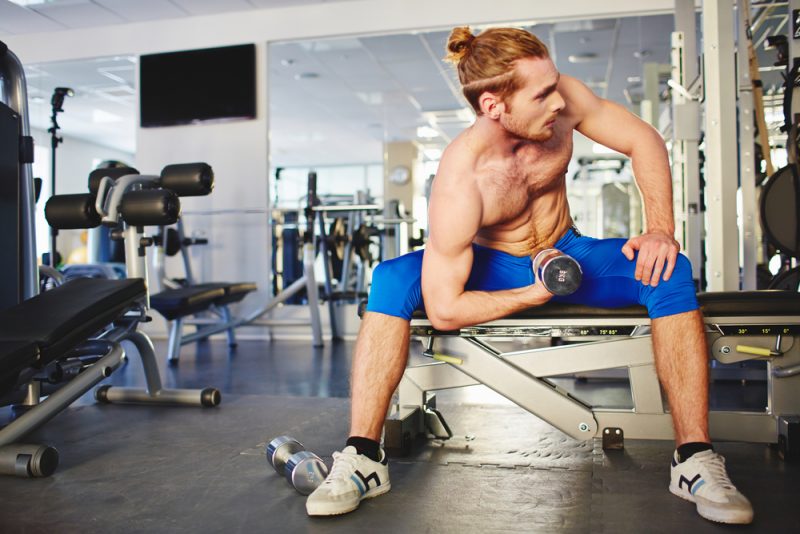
(34,16)
(359,92)
(103,108)
(332,101)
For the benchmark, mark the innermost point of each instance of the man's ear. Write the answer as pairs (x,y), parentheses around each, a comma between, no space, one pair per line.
(491,105)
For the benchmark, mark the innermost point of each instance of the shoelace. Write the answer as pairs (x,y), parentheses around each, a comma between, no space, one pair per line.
(342,463)
(716,468)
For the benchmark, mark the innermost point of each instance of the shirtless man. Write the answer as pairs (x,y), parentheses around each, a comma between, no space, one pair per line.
(500,197)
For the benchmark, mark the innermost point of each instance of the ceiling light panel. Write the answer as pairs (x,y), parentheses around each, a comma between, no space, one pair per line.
(211,7)
(15,19)
(143,10)
(79,14)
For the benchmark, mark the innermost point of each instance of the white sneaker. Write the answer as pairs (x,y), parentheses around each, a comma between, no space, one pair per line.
(353,477)
(702,479)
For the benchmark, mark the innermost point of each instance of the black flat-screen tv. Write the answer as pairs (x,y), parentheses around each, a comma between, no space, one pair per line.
(197,85)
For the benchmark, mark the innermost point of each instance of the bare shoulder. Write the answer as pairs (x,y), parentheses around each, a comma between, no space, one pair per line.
(580,100)
(456,205)
(457,166)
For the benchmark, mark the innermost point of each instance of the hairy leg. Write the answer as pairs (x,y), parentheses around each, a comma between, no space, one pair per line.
(379,360)
(681,356)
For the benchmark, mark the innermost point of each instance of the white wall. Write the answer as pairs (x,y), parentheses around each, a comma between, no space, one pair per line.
(238,151)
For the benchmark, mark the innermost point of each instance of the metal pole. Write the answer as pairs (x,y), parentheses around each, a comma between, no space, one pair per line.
(722,243)
(748,246)
(686,136)
(53,231)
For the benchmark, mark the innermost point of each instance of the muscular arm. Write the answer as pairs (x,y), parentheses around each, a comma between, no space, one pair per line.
(612,125)
(454,218)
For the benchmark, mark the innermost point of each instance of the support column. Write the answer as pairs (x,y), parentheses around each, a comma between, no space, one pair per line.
(686,136)
(722,240)
(399,165)
(748,245)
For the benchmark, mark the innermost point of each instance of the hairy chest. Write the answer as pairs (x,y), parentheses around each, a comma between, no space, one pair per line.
(511,188)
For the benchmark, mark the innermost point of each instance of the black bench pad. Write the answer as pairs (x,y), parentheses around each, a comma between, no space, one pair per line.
(63,317)
(234,292)
(174,303)
(725,303)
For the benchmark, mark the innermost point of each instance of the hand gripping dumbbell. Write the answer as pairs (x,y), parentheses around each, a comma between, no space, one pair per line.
(303,469)
(561,274)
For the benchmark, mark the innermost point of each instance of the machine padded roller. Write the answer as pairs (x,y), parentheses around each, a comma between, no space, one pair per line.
(150,207)
(67,212)
(114,173)
(188,179)
(780,202)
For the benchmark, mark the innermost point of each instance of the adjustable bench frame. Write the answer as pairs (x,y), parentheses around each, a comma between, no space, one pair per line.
(625,342)
(37,460)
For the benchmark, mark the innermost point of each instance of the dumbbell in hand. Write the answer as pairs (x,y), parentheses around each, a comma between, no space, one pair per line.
(561,274)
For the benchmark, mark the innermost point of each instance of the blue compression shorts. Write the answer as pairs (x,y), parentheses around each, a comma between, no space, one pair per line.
(608,279)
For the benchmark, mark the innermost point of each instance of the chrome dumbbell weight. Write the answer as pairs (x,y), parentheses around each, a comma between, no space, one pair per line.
(280,449)
(305,471)
(561,274)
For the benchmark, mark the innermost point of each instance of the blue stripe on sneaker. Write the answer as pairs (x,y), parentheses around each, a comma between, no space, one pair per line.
(361,489)
(697,485)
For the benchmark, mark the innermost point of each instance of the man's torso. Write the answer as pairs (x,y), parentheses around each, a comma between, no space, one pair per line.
(524,196)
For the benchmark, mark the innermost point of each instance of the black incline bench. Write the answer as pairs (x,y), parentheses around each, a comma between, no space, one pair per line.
(50,328)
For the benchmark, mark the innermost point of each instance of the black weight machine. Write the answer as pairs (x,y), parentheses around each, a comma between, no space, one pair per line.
(780,193)
(55,346)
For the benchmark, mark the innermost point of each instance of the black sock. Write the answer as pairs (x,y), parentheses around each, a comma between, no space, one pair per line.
(686,450)
(369,448)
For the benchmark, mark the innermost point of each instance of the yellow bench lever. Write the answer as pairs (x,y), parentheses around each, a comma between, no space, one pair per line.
(756,351)
(443,357)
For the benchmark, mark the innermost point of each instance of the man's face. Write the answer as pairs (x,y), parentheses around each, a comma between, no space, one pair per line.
(530,113)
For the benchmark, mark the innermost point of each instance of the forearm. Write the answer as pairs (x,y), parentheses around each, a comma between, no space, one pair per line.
(476,307)
(652,171)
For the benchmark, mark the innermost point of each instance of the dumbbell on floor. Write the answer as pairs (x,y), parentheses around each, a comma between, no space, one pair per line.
(561,274)
(305,471)
(302,469)
(280,449)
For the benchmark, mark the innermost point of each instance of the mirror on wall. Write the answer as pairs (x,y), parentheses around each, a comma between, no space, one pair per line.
(350,107)
(97,123)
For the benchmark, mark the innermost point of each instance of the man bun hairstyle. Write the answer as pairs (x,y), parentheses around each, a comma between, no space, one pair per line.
(485,62)
(458,44)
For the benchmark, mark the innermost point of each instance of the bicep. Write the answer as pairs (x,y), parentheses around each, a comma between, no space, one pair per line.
(454,219)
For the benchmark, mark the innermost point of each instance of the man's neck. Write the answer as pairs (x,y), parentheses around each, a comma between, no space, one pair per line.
(490,140)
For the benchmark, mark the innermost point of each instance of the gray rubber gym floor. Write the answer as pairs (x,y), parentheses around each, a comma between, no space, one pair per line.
(149,469)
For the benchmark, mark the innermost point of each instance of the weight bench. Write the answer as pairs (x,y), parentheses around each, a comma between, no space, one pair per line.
(56,327)
(177,304)
(739,326)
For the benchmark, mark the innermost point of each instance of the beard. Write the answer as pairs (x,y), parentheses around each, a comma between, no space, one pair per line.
(523,131)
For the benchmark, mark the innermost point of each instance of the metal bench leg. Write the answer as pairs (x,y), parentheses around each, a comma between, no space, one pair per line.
(313,294)
(226,316)
(175,337)
(155,394)
(29,460)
